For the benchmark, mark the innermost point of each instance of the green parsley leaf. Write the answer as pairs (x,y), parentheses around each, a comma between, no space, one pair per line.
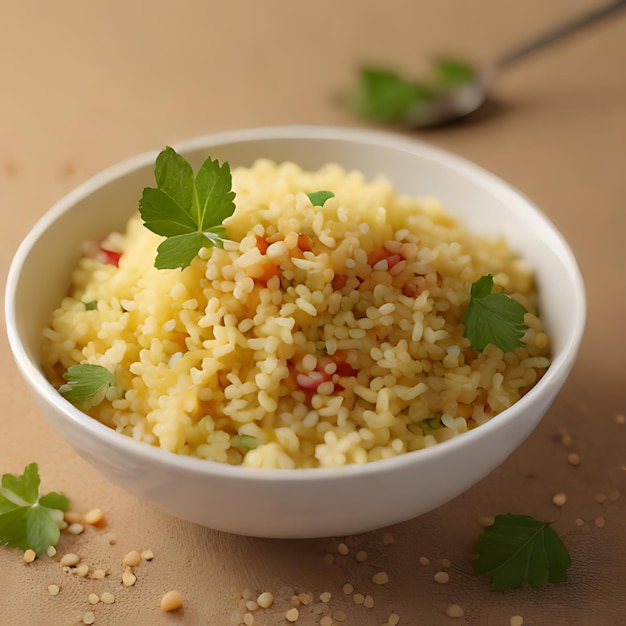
(385,96)
(88,385)
(453,73)
(24,489)
(54,500)
(188,210)
(91,306)
(493,318)
(27,520)
(382,94)
(519,550)
(244,441)
(318,198)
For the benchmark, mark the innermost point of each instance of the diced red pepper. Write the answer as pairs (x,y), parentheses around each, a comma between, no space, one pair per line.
(304,243)
(339,359)
(410,290)
(262,244)
(345,369)
(310,381)
(393,259)
(382,254)
(339,281)
(264,271)
(111,256)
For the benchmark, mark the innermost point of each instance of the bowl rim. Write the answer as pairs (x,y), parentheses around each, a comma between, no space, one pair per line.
(559,366)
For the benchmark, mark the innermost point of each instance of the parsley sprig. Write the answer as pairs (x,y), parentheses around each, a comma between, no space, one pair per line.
(384,95)
(493,318)
(518,550)
(188,210)
(27,519)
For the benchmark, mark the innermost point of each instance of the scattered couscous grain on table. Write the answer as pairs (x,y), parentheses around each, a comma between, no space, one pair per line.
(316,337)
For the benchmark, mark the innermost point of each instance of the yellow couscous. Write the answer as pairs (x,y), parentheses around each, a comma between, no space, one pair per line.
(316,337)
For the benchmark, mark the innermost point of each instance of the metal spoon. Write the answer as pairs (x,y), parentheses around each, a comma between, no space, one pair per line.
(458,102)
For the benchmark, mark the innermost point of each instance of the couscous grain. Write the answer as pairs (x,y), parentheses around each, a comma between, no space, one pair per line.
(132,558)
(29,556)
(70,559)
(171,601)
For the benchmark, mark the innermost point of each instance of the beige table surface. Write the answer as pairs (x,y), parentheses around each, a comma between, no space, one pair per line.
(86,84)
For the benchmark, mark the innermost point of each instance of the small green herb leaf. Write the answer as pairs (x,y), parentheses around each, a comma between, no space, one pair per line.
(453,73)
(493,318)
(28,522)
(382,94)
(385,96)
(318,198)
(188,210)
(519,550)
(88,385)
(91,306)
(243,441)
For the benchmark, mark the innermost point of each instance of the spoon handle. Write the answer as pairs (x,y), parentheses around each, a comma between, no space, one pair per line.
(562,31)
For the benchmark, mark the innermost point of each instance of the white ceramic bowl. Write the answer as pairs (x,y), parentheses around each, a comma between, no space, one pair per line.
(304,502)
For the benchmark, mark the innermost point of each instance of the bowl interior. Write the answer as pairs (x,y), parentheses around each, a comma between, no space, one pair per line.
(484,202)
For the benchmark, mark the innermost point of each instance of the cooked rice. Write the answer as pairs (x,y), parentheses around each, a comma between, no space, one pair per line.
(348,352)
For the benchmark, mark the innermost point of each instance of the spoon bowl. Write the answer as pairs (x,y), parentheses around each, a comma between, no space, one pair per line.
(450,106)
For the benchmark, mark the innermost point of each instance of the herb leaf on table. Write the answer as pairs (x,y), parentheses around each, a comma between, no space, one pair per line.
(27,520)
(188,210)
(384,95)
(519,550)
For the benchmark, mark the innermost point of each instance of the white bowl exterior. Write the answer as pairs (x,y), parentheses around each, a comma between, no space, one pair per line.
(298,503)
